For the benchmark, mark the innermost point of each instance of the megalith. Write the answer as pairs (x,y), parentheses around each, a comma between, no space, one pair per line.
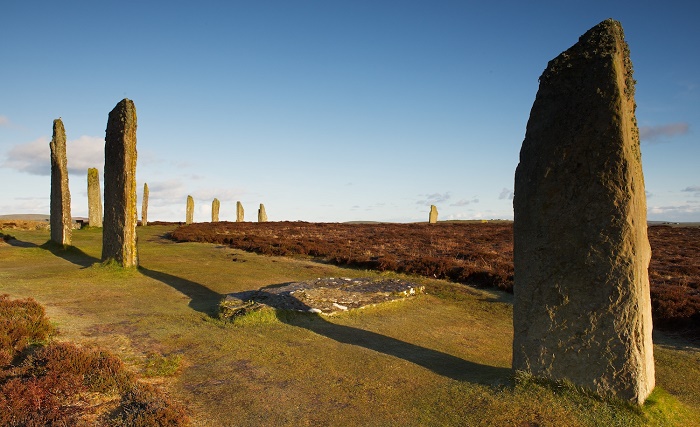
(144,206)
(433,215)
(60,220)
(262,215)
(582,308)
(120,215)
(94,198)
(239,212)
(215,205)
(189,217)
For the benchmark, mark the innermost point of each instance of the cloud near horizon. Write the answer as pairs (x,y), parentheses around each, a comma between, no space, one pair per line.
(34,157)
(506,193)
(433,199)
(695,189)
(661,133)
(465,202)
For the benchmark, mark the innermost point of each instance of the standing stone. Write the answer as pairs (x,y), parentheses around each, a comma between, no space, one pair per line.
(262,215)
(119,235)
(144,206)
(239,212)
(215,205)
(582,308)
(190,210)
(94,198)
(432,217)
(61,221)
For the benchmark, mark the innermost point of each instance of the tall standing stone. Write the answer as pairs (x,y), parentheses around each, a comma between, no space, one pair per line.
(433,215)
(61,221)
(119,233)
(144,206)
(215,205)
(262,215)
(239,212)
(582,308)
(94,198)
(189,218)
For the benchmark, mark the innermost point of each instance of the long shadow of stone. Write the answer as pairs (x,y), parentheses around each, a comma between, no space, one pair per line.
(70,253)
(202,299)
(21,244)
(441,363)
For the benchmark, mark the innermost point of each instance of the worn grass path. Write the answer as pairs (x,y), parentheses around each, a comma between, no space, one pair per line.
(438,359)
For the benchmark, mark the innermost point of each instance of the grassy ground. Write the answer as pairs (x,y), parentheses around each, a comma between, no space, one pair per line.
(439,359)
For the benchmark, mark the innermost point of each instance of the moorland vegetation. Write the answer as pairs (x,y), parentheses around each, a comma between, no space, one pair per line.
(474,253)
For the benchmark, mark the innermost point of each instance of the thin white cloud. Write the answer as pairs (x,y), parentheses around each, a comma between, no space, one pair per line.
(31,157)
(661,133)
(681,213)
(506,193)
(34,157)
(433,199)
(4,121)
(85,152)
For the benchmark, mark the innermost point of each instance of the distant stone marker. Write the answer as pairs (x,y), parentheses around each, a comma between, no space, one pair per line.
(189,218)
(215,205)
(94,198)
(239,212)
(119,234)
(61,221)
(262,215)
(432,217)
(582,309)
(144,206)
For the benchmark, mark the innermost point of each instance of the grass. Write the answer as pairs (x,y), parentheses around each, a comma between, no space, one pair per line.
(438,359)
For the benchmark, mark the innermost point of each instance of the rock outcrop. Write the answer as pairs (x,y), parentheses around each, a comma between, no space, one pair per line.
(189,217)
(582,308)
(433,215)
(239,212)
(61,221)
(94,198)
(120,215)
(262,215)
(144,206)
(215,205)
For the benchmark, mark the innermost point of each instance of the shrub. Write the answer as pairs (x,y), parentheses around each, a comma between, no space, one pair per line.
(146,406)
(22,322)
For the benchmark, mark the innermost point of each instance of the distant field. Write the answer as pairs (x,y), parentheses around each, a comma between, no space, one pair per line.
(437,359)
(472,252)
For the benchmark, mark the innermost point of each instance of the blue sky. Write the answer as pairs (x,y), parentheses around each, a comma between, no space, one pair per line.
(326,110)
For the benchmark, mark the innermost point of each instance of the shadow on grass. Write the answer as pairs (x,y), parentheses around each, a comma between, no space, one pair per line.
(70,253)
(202,299)
(20,243)
(441,363)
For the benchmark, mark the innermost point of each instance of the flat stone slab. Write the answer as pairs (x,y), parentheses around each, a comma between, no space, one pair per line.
(322,296)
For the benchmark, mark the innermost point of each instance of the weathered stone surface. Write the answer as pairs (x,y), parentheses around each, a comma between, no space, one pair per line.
(262,215)
(321,296)
(239,212)
(190,210)
(433,215)
(61,221)
(582,307)
(144,206)
(120,215)
(94,198)
(215,205)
